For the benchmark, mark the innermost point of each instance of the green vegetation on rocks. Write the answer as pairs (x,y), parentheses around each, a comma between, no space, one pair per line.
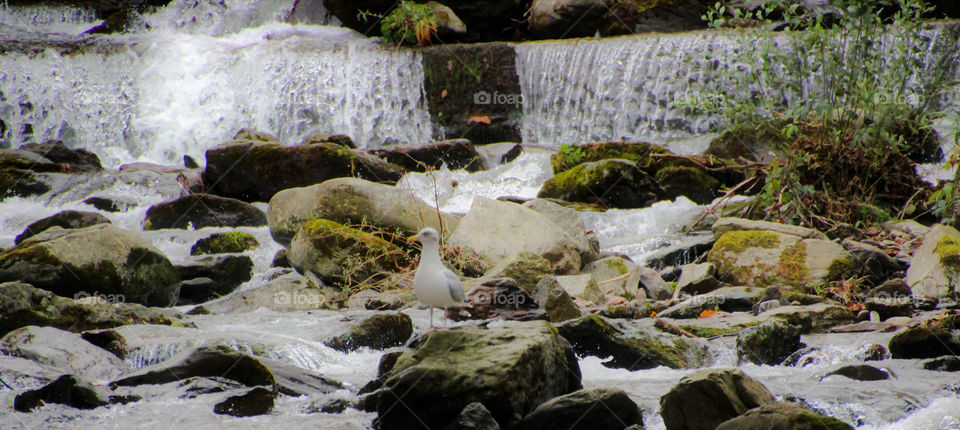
(570,156)
(223,243)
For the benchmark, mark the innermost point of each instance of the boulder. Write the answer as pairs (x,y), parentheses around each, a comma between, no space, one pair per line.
(258,401)
(98,260)
(320,137)
(637,153)
(768,343)
(594,409)
(861,372)
(455,154)
(632,345)
(341,255)
(810,318)
(611,183)
(761,258)
(353,201)
(511,369)
(727,224)
(110,204)
(290,293)
(653,283)
(71,160)
(690,182)
(206,361)
(203,210)
(949,363)
(555,301)
(473,417)
(696,279)
(224,243)
(66,390)
(582,287)
(727,299)
(706,398)
(495,230)
(523,267)
(783,415)
(933,271)
(571,224)
(22,305)
(499,298)
(107,340)
(22,183)
(930,341)
(66,219)
(62,350)
(379,331)
(252,170)
(618,276)
(877,264)
(210,277)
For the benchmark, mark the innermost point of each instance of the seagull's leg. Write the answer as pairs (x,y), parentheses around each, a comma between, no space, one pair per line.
(444,318)
(431,318)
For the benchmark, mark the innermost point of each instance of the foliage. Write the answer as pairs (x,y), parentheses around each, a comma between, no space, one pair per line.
(409,22)
(855,95)
(574,154)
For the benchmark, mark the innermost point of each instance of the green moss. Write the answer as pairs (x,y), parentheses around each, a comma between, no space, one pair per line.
(872,214)
(840,268)
(792,265)
(948,252)
(347,256)
(579,183)
(617,264)
(221,243)
(636,153)
(741,240)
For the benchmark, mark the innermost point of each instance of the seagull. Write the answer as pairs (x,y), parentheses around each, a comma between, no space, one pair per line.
(435,285)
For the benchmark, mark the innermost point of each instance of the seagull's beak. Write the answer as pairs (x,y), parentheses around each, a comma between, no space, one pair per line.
(412,239)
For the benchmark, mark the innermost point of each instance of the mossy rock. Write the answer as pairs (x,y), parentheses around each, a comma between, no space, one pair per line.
(924,342)
(783,415)
(64,219)
(224,243)
(379,331)
(637,153)
(21,183)
(754,141)
(341,255)
(935,269)
(690,182)
(219,361)
(706,398)
(612,183)
(645,348)
(526,268)
(768,343)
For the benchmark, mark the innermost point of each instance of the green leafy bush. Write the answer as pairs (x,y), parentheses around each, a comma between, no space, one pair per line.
(409,22)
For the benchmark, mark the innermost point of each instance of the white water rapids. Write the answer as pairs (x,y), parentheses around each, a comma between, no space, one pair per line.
(206,69)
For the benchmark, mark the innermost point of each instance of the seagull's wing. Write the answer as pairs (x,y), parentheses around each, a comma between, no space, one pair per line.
(454,285)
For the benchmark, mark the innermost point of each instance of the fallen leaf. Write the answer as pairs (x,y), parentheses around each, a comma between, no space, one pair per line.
(707,313)
(482,119)
(443,94)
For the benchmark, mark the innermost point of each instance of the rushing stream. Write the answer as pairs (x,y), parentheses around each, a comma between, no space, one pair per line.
(203,70)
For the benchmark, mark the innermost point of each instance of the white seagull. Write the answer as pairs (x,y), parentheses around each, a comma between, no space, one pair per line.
(435,285)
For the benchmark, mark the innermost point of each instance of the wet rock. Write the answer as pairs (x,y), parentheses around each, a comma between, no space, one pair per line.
(727,224)
(690,182)
(783,415)
(727,299)
(108,340)
(329,406)
(889,308)
(555,301)
(696,279)
(210,277)
(66,219)
(810,318)
(510,369)
(353,201)
(871,352)
(110,204)
(877,264)
(252,170)
(582,286)
(66,390)
(594,409)
(632,346)
(473,417)
(485,20)
(611,183)
(935,264)
(455,154)
(296,381)
(705,399)
(499,298)
(341,255)
(619,276)
(280,259)
(224,243)
(500,153)
(22,305)
(761,258)
(207,361)
(379,331)
(100,259)
(61,350)
(687,251)
(525,268)
(637,153)
(768,343)
(258,401)
(203,210)
(924,342)
(943,364)
(892,288)
(73,160)
(22,183)
(862,372)
(495,230)
(289,293)
(320,137)
(571,224)
(656,287)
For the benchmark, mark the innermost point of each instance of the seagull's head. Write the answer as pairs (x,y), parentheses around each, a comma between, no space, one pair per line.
(427,235)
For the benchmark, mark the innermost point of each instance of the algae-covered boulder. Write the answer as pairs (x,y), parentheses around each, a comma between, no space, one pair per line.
(706,398)
(495,230)
(632,345)
(936,264)
(22,305)
(353,201)
(98,260)
(783,415)
(511,369)
(728,224)
(690,182)
(931,340)
(594,409)
(612,183)
(258,401)
(253,170)
(64,219)
(762,258)
(768,343)
(203,210)
(223,243)
(637,153)
(341,255)
(379,331)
